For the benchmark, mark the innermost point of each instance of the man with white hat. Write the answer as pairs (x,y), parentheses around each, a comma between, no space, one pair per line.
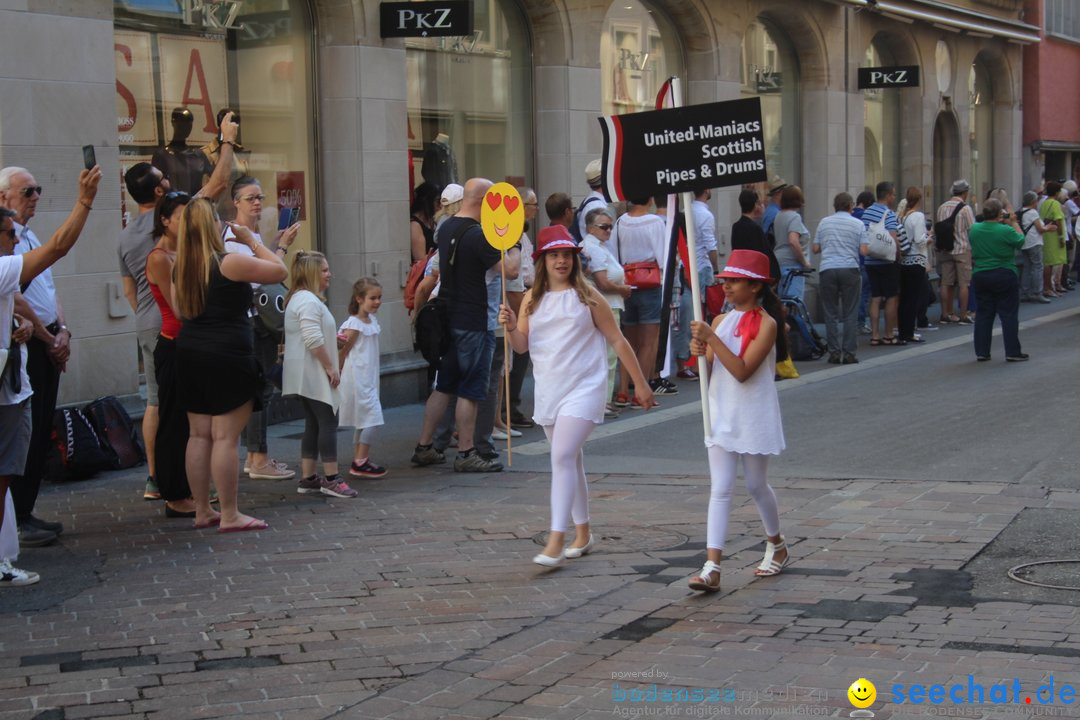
(594,179)
(776,186)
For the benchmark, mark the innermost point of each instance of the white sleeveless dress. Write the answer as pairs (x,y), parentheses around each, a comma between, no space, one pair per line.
(569,356)
(359,388)
(745,415)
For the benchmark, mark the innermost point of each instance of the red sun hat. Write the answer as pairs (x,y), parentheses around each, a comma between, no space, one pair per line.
(554,237)
(747,265)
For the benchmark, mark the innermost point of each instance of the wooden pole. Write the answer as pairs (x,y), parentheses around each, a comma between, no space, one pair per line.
(506,371)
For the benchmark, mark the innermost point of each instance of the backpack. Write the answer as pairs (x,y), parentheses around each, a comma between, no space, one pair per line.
(432,330)
(575,227)
(945,231)
(78,451)
(270,304)
(416,274)
(882,246)
(116,432)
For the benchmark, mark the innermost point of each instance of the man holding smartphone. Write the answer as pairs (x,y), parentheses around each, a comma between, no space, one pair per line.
(248,200)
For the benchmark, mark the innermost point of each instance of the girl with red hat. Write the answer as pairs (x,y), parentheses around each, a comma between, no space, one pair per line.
(741,348)
(564,324)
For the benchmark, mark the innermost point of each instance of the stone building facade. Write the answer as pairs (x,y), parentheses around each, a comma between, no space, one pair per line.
(338,120)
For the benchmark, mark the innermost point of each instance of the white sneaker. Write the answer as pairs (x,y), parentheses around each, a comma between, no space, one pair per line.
(272,470)
(501,434)
(14,577)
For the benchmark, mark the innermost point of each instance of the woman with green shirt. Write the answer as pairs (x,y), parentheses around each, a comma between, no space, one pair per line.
(994,243)
(1054,253)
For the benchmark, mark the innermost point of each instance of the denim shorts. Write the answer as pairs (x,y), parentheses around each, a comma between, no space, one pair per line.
(643,307)
(465,368)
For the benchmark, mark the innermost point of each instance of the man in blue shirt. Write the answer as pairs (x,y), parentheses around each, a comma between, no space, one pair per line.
(884,274)
(863,201)
(776,186)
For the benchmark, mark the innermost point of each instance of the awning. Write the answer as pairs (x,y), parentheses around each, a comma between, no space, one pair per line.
(952,18)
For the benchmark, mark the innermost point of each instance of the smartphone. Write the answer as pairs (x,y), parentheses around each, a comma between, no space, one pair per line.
(88,157)
(286,217)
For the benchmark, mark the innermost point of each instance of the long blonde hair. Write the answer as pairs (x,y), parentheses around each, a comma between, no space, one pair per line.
(540,284)
(198,245)
(306,274)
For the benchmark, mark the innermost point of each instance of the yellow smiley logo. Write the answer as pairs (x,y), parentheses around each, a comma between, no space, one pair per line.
(502,216)
(862,693)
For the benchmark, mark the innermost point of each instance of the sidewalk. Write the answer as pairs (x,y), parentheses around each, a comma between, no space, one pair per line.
(418,599)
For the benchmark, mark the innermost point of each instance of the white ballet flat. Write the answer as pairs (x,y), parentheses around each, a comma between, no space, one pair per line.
(548,561)
(573,553)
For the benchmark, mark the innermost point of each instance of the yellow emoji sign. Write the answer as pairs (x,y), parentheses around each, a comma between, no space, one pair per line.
(502,216)
(862,693)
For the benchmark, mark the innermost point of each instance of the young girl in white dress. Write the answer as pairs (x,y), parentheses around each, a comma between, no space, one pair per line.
(564,324)
(358,358)
(741,347)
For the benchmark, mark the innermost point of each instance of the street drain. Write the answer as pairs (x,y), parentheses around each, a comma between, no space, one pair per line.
(630,539)
(639,629)
(1053,574)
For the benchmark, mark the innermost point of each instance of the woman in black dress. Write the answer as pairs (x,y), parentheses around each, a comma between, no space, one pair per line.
(218,376)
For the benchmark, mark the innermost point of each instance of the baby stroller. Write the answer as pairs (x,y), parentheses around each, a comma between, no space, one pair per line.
(804,342)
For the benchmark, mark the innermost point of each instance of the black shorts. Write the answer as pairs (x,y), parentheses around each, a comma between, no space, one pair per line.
(884,280)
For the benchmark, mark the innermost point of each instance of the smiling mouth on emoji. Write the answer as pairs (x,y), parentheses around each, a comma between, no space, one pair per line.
(500,231)
(857,697)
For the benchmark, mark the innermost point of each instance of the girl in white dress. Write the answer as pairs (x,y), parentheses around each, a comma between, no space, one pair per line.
(564,324)
(741,348)
(358,358)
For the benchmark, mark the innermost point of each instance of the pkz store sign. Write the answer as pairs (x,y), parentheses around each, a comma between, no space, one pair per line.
(448,18)
(878,78)
(212,14)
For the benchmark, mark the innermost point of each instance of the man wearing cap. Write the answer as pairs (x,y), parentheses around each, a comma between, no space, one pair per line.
(776,186)
(464,258)
(593,178)
(955,267)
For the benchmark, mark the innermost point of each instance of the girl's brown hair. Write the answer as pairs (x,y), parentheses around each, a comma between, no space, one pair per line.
(577,281)
(360,289)
(791,198)
(912,198)
(305,275)
(198,245)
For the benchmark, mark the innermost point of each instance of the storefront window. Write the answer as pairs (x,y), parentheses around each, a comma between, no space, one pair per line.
(881,120)
(179,62)
(771,72)
(981,130)
(470,101)
(638,53)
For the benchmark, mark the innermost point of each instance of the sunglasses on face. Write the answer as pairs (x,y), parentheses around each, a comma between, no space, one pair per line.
(605,226)
(28,192)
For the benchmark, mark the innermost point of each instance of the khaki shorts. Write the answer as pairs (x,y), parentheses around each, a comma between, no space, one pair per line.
(955,270)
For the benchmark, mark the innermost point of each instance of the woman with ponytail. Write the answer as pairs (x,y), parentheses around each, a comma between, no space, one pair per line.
(741,348)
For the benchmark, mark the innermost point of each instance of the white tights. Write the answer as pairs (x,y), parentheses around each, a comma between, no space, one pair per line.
(722,469)
(569,491)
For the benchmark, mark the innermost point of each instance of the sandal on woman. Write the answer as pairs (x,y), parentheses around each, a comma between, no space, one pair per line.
(874,342)
(769,566)
(947,319)
(701,580)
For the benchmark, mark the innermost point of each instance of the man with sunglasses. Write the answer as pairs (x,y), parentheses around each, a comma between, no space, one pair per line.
(18,393)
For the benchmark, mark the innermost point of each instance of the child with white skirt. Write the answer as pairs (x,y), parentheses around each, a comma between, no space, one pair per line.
(358,358)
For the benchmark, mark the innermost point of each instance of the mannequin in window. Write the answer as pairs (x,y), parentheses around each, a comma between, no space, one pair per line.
(212,151)
(439,167)
(182,164)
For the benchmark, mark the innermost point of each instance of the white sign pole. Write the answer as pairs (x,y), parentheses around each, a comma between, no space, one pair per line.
(695,287)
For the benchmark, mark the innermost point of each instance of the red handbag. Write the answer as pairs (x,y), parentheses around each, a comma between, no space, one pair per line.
(643,275)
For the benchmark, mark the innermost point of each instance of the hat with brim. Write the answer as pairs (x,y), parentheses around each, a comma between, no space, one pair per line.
(777,184)
(554,237)
(747,265)
(593,172)
(451,194)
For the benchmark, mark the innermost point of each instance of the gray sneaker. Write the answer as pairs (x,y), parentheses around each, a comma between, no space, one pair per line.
(473,462)
(427,456)
(30,536)
(309,486)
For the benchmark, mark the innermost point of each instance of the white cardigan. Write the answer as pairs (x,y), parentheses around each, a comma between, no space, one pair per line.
(308,324)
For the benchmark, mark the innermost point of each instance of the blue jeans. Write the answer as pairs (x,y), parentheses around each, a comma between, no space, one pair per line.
(840,290)
(998,294)
(864,299)
(466,366)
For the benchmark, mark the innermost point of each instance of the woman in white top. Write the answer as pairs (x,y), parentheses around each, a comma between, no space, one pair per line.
(609,277)
(742,347)
(1031,252)
(640,236)
(564,323)
(311,373)
(913,244)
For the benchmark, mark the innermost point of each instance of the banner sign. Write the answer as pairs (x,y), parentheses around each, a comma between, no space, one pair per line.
(683,149)
(448,18)
(877,78)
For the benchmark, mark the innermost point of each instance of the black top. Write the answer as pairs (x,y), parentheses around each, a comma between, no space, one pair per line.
(223,327)
(746,234)
(429,234)
(464,284)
